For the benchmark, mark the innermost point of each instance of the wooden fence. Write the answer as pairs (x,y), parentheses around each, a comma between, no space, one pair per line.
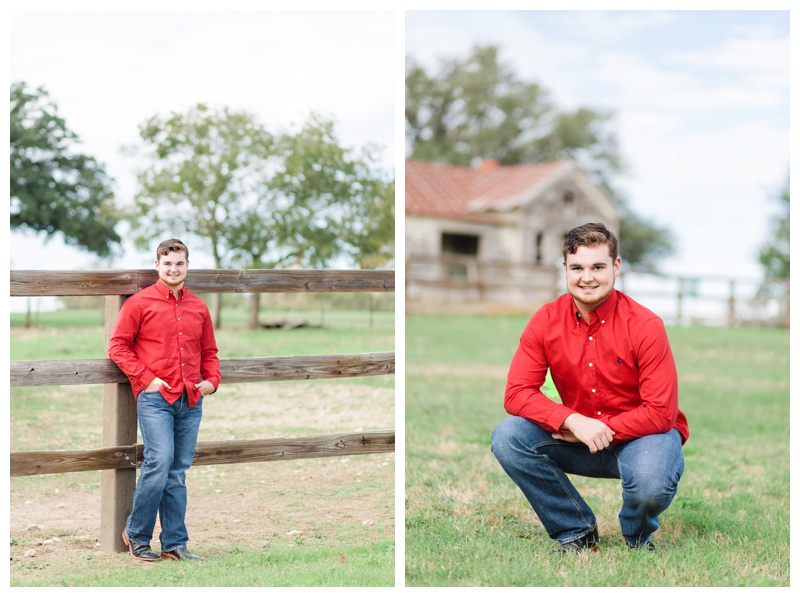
(451,283)
(120,454)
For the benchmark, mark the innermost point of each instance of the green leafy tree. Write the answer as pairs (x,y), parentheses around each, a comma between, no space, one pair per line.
(472,108)
(477,107)
(202,165)
(774,254)
(775,259)
(642,244)
(372,237)
(55,189)
(321,201)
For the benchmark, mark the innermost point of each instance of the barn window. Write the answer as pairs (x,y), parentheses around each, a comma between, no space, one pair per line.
(459,247)
(568,197)
(461,244)
(539,248)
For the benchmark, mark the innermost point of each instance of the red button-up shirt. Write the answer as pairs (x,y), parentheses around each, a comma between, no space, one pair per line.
(617,368)
(157,335)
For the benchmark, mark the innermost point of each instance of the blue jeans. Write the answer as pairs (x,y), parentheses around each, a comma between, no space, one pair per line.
(169,432)
(649,467)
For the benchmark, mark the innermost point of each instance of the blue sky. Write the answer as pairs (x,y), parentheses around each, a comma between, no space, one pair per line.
(701,101)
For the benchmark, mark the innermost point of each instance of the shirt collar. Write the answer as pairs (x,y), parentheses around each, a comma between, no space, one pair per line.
(604,311)
(163,290)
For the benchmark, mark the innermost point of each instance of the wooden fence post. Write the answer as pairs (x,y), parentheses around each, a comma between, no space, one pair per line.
(119,429)
(681,290)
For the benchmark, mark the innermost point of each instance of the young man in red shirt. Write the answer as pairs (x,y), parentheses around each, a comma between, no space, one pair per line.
(611,363)
(164,342)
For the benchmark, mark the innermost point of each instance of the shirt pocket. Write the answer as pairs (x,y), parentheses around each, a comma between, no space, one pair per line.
(623,373)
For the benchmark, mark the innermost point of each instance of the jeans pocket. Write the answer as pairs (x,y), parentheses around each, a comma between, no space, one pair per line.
(144,394)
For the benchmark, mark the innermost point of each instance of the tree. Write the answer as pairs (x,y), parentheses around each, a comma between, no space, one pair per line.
(202,165)
(775,259)
(472,108)
(641,243)
(320,201)
(774,253)
(55,189)
(478,108)
(255,199)
(372,237)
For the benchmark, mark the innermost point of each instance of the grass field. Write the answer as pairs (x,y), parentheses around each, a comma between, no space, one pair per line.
(467,524)
(315,522)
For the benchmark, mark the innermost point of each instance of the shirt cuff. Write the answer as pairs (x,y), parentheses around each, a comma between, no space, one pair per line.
(558,416)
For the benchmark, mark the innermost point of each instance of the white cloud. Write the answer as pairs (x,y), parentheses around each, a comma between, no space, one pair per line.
(592,27)
(751,55)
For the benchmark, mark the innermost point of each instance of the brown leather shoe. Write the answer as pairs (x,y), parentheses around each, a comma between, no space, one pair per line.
(181,553)
(140,551)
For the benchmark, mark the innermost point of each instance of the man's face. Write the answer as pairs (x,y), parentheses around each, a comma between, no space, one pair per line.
(172,269)
(590,274)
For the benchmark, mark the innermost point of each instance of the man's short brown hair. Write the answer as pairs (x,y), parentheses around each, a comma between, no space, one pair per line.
(590,235)
(169,246)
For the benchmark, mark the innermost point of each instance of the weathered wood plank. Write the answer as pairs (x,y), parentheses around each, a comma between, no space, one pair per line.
(306,367)
(320,446)
(126,282)
(252,369)
(72,461)
(227,452)
(119,429)
(66,373)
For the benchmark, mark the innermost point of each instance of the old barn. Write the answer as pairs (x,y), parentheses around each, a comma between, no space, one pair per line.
(489,238)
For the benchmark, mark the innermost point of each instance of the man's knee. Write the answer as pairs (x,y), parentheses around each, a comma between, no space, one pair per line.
(157,461)
(506,432)
(513,435)
(654,492)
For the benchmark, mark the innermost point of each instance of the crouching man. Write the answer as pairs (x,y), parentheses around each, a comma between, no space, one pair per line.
(612,365)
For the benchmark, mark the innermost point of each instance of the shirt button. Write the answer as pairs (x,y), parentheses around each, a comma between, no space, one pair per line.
(603,321)
(598,412)
(590,338)
(593,390)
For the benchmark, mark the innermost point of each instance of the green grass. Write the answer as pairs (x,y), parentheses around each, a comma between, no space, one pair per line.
(283,566)
(467,524)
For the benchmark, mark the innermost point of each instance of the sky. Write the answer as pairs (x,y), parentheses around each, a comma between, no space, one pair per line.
(701,104)
(700,97)
(109,71)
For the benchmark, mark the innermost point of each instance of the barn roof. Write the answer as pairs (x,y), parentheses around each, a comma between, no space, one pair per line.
(444,190)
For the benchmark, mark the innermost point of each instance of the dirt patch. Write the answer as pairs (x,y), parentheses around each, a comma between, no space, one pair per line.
(332,500)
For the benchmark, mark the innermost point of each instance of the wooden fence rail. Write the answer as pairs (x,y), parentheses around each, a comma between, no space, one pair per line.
(120,455)
(127,282)
(252,369)
(228,452)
